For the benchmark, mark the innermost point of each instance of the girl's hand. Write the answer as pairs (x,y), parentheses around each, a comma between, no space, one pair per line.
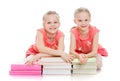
(83,58)
(36,57)
(29,62)
(33,59)
(68,58)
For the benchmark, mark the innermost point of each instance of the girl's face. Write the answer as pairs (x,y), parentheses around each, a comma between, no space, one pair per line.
(82,20)
(51,23)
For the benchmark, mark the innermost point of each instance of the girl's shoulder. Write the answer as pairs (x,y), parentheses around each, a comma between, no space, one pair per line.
(74,29)
(42,31)
(94,28)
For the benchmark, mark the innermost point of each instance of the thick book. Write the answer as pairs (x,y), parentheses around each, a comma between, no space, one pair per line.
(85,71)
(90,60)
(53,66)
(85,66)
(25,72)
(56,71)
(52,60)
(24,67)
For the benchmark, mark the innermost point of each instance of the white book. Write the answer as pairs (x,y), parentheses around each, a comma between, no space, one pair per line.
(53,63)
(57,71)
(52,60)
(57,66)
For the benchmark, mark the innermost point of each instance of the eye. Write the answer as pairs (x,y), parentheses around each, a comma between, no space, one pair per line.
(86,20)
(80,20)
(48,22)
(56,22)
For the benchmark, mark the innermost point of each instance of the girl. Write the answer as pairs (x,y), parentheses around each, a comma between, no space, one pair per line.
(49,40)
(84,38)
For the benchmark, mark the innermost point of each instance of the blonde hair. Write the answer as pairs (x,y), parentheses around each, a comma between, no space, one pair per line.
(50,13)
(81,9)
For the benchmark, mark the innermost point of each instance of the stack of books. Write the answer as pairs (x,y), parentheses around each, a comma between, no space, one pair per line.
(55,65)
(88,68)
(22,69)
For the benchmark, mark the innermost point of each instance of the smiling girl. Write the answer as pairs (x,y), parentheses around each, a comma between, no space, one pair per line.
(49,40)
(84,38)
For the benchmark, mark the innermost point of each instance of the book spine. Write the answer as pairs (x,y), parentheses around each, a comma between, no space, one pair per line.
(23,67)
(25,72)
(84,71)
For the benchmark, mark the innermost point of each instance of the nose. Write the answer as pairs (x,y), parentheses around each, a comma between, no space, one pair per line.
(52,24)
(83,22)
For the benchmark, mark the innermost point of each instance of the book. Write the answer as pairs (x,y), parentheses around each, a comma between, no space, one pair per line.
(84,71)
(57,71)
(85,66)
(25,72)
(57,66)
(52,60)
(90,60)
(24,67)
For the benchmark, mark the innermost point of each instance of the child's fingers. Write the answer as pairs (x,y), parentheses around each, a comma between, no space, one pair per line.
(29,63)
(83,58)
(69,59)
(73,56)
(84,55)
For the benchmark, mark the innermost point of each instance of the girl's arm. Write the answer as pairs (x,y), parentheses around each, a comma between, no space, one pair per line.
(61,45)
(73,45)
(45,50)
(82,57)
(93,53)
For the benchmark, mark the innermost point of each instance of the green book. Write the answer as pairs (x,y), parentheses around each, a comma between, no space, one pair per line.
(90,71)
(90,60)
(84,66)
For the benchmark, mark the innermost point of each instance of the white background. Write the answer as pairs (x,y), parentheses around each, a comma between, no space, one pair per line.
(19,20)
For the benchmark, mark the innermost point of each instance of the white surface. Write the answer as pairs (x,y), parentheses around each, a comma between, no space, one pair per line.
(19,20)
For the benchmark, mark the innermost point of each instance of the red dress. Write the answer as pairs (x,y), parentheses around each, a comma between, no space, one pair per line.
(33,48)
(85,45)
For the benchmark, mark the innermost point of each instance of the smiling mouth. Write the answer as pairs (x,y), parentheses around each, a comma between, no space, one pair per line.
(52,28)
(83,26)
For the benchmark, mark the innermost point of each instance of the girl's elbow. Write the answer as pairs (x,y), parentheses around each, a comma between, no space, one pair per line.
(39,48)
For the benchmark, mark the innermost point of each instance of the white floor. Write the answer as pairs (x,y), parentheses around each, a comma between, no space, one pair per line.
(19,20)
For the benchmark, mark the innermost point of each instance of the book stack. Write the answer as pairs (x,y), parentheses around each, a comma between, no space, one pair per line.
(55,65)
(88,68)
(22,69)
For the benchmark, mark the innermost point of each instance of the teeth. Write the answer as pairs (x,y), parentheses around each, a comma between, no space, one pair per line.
(52,28)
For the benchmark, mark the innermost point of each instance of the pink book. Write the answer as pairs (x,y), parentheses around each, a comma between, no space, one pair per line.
(25,72)
(23,67)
